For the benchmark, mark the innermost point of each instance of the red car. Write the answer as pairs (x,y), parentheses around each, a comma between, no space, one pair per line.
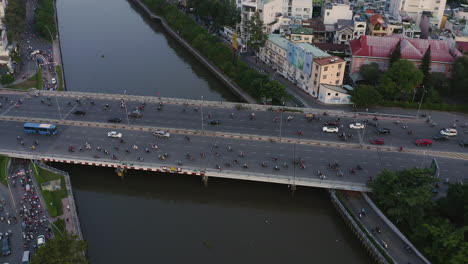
(377,141)
(423,142)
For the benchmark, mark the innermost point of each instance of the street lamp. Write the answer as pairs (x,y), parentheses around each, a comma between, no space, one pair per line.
(420,102)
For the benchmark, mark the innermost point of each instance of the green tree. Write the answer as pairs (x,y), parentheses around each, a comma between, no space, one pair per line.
(370,72)
(404,195)
(6,79)
(65,249)
(439,82)
(257,37)
(15,14)
(45,19)
(460,76)
(455,205)
(400,80)
(425,66)
(365,96)
(396,54)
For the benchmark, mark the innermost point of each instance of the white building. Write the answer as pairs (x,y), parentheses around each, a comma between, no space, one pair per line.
(5,59)
(334,94)
(269,11)
(415,8)
(301,9)
(331,12)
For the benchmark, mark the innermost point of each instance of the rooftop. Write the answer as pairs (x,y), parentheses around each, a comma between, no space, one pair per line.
(329,60)
(336,88)
(412,49)
(283,43)
(278,40)
(302,31)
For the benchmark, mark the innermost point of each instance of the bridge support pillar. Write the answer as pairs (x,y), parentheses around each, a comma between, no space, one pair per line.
(205,180)
(293,188)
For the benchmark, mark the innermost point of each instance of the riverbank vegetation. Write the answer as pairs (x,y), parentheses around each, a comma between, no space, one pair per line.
(61,249)
(52,198)
(437,227)
(59,78)
(408,86)
(220,54)
(26,84)
(45,20)
(3,169)
(14,19)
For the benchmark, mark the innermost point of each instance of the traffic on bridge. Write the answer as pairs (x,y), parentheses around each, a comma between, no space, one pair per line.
(304,124)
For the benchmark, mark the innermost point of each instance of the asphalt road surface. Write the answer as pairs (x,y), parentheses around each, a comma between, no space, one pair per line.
(177,147)
(173,116)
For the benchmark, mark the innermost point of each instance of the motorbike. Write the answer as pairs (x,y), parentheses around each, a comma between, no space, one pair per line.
(276,167)
(264,164)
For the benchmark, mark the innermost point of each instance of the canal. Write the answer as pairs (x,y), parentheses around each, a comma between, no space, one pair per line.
(109,46)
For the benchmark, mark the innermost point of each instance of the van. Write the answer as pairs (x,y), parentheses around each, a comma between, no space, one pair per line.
(6,246)
(162,134)
(25,259)
(135,114)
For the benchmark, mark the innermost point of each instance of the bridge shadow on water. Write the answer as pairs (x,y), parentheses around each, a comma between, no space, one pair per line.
(189,188)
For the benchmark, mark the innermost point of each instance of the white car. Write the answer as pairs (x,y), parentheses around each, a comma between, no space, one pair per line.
(356,125)
(54,81)
(449,132)
(114,134)
(162,134)
(40,240)
(330,129)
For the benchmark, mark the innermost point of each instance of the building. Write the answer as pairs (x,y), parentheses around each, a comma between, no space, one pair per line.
(370,49)
(378,26)
(336,10)
(344,31)
(462,47)
(6,64)
(301,9)
(316,24)
(269,11)
(334,94)
(414,9)
(328,70)
(302,63)
(302,34)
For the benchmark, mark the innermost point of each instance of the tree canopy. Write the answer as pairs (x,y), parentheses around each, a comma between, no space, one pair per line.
(365,95)
(405,193)
(400,80)
(257,37)
(65,249)
(396,54)
(15,14)
(460,76)
(370,73)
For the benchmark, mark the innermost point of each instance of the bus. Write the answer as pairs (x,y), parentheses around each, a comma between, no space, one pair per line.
(41,129)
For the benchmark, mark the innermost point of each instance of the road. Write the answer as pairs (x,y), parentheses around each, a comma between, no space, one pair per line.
(315,157)
(16,245)
(174,116)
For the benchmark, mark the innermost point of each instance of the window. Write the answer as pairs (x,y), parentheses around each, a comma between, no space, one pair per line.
(306,38)
(315,83)
(336,94)
(336,82)
(338,74)
(328,13)
(316,67)
(316,75)
(308,9)
(339,65)
(324,77)
(299,9)
(325,69)
(328,94)
(436,8)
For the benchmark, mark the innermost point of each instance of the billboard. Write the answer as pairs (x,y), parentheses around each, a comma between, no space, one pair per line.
(298,57)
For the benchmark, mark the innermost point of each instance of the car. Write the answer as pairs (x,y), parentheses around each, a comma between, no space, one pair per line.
(463,142)
(356,125)
(40,240)
(79,112)
(449,132)
(330,129)
(423,142)
(6,245)
(377,141)
(162,134)
(440,137)
(331,123)
(382,130)
(115,120)
(114,134)
(135,114)
(214,122)
(54,81)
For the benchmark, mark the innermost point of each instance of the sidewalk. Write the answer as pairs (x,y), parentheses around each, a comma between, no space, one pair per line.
(371,220)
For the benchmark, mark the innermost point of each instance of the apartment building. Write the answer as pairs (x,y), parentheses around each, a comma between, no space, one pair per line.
(378,26)
(301,9)
(415,9)
(302,34)
(6,64)
(302,63)
(331,12)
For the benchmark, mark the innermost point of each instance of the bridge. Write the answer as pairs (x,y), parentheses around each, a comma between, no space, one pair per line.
(265,137)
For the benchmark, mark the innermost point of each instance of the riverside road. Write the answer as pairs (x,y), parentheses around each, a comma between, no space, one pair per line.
(196,116)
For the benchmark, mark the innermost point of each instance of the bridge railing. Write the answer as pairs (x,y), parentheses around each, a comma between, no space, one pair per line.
(241,175)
